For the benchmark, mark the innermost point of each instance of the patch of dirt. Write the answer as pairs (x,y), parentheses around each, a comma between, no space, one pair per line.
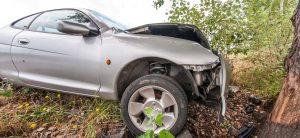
(202,120)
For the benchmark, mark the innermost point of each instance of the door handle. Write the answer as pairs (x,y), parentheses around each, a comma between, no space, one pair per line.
(23,41)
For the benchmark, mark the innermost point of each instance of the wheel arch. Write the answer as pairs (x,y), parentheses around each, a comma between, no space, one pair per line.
(140,67)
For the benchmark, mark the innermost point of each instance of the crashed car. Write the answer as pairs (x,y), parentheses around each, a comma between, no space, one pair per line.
(79,51)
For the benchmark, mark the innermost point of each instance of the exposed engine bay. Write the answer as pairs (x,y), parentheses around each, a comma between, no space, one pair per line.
(182,31)
(206,83)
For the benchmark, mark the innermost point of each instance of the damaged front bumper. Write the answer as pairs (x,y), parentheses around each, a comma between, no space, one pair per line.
(224,75)
(212,81)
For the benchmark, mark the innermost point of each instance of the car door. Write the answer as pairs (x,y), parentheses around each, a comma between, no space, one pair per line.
(50,59)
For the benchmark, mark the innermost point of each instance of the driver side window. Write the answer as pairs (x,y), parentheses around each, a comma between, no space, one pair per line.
(47,22)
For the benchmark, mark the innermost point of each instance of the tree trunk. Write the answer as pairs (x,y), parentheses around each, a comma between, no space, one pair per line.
(284,121)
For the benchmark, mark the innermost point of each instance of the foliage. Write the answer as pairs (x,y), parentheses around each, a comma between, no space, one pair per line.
(224,23)
(258,33)
(236,26)
(5,89)
(261,74)
(147,134)
(157,120)
(270,22)
(6,92)
(165,134)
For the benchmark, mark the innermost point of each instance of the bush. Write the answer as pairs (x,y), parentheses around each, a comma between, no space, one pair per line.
(261,71)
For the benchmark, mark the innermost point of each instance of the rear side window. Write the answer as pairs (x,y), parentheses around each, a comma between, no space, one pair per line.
(47,22)
(24,22)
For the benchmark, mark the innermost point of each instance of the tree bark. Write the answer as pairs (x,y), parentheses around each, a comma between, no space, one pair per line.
(284,121)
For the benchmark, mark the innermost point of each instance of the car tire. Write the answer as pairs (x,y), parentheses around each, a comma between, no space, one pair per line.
(172,94)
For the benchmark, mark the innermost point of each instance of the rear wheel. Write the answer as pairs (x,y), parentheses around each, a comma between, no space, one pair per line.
(160,93)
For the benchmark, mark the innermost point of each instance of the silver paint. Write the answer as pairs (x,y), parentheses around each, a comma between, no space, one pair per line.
(76,64)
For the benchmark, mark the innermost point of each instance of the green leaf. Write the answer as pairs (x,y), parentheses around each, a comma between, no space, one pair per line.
(158,119)
(158,3)
(149,111)
(165,134)
(147,134)
(5,92)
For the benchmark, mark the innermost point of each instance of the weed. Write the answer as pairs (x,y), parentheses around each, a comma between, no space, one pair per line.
(5,91)
(26,110)
(260,71)
(156,120)
(90,131)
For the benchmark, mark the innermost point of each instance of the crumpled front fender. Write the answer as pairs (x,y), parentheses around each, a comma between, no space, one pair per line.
(179,51)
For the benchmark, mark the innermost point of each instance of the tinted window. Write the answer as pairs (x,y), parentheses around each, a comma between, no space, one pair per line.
(24,23)
(47,22)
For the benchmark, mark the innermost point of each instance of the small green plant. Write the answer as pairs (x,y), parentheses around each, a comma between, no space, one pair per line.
(155,119)
(90,131)
(6,91)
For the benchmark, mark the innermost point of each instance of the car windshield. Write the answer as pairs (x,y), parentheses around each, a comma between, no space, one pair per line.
(109,22)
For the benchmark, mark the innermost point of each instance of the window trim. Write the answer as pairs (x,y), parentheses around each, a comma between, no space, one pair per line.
(40,13)
(12,24)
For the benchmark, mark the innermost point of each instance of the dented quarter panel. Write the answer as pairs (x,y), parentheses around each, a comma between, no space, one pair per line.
(124,48)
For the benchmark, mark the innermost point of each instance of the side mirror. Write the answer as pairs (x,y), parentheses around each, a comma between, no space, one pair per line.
(75,28)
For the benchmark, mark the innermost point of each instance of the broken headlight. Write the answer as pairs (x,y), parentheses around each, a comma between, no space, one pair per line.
(201,67)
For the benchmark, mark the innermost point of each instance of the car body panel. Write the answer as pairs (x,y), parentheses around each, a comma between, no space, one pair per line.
(179,51)
(54,62)
(7,68)
(77,64)
(132,47)
(177,30)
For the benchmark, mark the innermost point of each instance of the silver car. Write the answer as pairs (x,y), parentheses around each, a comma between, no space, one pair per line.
(80,51)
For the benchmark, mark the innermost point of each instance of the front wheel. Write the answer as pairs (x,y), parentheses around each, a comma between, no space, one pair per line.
(160,93)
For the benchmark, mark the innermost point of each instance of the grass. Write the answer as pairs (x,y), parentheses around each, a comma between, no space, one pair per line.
(261,72)
(5,93)
(24,110)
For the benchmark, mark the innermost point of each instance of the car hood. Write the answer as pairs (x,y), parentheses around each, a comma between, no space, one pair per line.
(180,51)
(177,30)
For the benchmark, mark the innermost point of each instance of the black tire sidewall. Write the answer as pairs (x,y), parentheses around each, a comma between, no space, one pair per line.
(162,81)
